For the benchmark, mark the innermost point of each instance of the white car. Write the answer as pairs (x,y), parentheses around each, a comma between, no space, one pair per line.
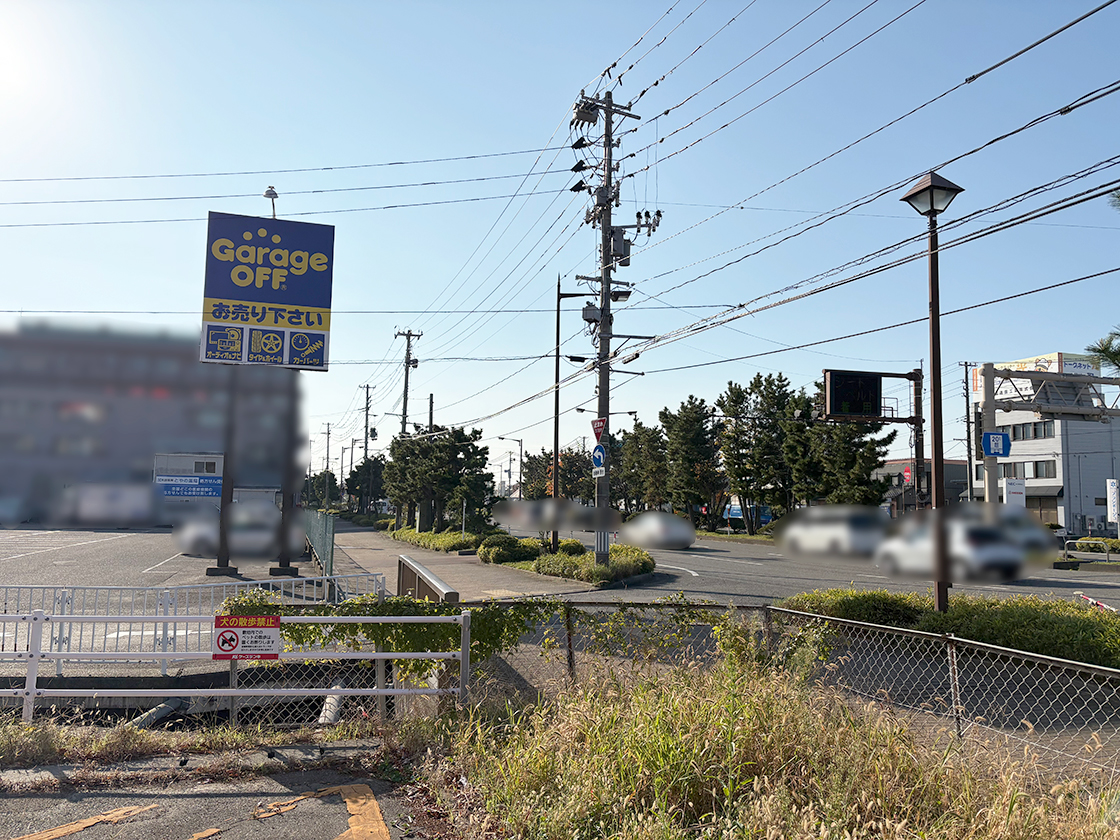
(832,529)
(1018,524)
(974,550)
(658,529)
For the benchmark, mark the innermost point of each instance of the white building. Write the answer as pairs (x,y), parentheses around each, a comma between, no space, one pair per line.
(1064,459)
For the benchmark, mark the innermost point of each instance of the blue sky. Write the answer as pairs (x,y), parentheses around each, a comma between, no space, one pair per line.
(129,89)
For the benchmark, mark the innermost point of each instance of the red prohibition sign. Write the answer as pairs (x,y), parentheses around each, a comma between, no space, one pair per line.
(227,640)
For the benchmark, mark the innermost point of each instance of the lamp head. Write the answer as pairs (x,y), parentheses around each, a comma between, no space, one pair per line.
(932,194)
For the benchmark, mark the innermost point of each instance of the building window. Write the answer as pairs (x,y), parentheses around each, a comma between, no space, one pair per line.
(205,466)
(1100,501)
(1044,429)
(1015,470)
(1045,469)
(211,467)
(979,472)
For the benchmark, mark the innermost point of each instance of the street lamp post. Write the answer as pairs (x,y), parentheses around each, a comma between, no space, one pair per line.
(520,463)
(930,196)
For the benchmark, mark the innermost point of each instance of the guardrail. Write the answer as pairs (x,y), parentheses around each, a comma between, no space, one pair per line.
(39,623)
(69,637)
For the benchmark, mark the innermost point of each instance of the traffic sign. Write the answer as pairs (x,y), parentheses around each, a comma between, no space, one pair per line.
(246,637)
(996,444)
(598,472)
(906,474)
(598,456)
(597,426)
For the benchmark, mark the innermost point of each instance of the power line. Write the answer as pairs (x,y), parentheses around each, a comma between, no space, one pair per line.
(286,192)
(274,171)
(891,326)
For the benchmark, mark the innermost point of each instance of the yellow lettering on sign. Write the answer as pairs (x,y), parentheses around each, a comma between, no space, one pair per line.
(279,257)
(222,249)
(299,262)
(246,254)
(319,262)
(241,275)
(262,275)
(279,275)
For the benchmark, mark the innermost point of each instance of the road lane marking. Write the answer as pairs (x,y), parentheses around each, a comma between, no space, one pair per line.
(722,559)
(677,568)
(161,562)
(68,545)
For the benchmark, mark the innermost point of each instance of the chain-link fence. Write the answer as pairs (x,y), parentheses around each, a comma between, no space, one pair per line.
(1067,714)
(319,529)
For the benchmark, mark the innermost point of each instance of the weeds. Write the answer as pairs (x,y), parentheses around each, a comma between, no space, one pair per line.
(741,750)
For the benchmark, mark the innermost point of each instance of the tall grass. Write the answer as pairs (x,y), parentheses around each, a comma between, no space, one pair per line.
(737,750)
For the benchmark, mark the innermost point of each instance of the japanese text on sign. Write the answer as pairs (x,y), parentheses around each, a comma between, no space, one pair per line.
(246,637)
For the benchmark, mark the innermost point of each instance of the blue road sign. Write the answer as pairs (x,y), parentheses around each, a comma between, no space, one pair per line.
(996,444)
(599,456)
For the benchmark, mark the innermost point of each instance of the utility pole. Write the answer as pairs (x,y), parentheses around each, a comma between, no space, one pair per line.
(326,469)
(613,250)
(968,429)
(365,435)
(431,413)
(919,440)
(409,362)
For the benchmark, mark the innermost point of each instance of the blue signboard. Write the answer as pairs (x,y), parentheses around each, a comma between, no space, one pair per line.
(267,298)
(190,485)
(996,444)
(598,456)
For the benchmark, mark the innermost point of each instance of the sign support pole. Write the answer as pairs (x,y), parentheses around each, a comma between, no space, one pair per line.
(222,567)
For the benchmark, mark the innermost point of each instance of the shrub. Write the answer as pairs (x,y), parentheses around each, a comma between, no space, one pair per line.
(1098,545)
(1063,629)
(384,523)
(625,561)
(571,546)
(435,542)
(503,548)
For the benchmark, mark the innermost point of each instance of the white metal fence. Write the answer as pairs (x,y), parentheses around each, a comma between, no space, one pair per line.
(70,637)
(39,625)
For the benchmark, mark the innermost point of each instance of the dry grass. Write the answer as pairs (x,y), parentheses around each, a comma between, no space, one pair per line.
(742,751)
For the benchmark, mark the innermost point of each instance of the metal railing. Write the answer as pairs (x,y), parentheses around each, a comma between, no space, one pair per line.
(319,529)
(71,637)
(38,650)
(416,581)
(1107,547)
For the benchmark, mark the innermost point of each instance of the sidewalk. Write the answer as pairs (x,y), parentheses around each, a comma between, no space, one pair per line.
(361,549)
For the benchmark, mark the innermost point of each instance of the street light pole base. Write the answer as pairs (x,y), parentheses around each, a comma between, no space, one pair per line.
(282,571)
(219,571)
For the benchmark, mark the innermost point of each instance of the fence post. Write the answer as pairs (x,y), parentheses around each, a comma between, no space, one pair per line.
(34,655)
(62,603)
(232,697)
(465,656)
(768,631)
(571,644)
(164,607)
(954,682)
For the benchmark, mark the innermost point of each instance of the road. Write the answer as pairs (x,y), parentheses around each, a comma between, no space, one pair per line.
(720,571)
(30,556)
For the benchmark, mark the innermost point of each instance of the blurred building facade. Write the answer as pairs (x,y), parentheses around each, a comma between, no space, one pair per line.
(94,406)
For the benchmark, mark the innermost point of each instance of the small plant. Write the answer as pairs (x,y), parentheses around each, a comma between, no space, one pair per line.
(447,541)
(625,561)
(571,546)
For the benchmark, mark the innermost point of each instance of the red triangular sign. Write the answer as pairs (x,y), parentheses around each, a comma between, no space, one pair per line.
(597,426)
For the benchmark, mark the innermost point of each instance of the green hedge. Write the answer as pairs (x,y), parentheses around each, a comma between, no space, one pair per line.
(436,542)
(1065,629)
(625,561)
(571,546)
(1096,547)
(503,548)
